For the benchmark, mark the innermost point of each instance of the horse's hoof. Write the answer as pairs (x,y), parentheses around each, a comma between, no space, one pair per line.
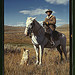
(67,61)
(36,63)
(61,61)
(27,64)
(40,63)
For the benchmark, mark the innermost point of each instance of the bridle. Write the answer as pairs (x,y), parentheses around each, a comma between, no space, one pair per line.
(30,30)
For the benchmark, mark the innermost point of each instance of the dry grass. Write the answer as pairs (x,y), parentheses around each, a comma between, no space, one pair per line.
(14,44)
(19,37)
(51,64)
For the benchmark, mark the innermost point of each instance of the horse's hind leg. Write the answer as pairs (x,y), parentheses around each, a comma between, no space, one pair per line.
(64,51)
(60,51)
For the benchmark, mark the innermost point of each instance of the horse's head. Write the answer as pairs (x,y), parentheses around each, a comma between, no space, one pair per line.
(29,26)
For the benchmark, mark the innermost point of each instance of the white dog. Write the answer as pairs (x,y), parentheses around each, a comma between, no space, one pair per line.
(25,57)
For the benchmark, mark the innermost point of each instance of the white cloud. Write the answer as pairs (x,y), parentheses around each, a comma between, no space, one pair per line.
(37,11)
(61,23)
(18,24)
(57,1)
(58,19)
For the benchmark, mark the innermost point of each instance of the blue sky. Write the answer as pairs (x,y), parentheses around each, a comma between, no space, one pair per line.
(17,11)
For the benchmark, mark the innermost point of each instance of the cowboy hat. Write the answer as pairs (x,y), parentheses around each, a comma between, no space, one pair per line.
(49,10)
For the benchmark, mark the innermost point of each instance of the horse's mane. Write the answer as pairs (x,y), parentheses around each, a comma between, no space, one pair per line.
(30,20)
(37,22)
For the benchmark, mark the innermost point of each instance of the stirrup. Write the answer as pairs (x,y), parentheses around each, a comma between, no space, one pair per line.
(52,43)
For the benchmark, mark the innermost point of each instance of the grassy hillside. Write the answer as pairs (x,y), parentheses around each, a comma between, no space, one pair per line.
(51,64)
(15,41)
(11,28)
(16,34)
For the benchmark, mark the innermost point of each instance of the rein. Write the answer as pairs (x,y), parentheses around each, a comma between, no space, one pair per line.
(43,38)
(39,28)
(32,28)
(39,43)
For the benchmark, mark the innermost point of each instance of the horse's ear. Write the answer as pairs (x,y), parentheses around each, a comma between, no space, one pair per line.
(34,18)
(24,49)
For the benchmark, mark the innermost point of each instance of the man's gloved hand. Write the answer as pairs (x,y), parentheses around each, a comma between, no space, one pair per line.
(45,23)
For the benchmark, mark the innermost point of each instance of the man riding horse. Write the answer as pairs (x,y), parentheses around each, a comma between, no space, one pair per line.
(40,41)
(48,24)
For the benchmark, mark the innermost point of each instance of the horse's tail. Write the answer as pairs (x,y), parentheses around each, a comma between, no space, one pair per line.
(63,45)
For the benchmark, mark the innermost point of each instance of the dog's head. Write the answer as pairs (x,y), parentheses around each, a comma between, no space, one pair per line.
(25,50)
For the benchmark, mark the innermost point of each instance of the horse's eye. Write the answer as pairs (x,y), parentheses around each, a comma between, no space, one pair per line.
(31,23)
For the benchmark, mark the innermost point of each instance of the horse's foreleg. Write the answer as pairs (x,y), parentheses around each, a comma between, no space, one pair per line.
(41,54)
(37,54)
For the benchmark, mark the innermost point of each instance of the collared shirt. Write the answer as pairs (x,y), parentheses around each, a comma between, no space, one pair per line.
(50,19)
(49,16)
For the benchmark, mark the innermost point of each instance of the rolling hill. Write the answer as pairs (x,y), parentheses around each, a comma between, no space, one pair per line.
(16,34)
(14,43)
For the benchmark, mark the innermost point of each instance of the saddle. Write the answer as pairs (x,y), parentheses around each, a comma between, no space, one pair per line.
(55,35)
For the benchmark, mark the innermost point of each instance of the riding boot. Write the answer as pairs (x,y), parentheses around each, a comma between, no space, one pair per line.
(52,41)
